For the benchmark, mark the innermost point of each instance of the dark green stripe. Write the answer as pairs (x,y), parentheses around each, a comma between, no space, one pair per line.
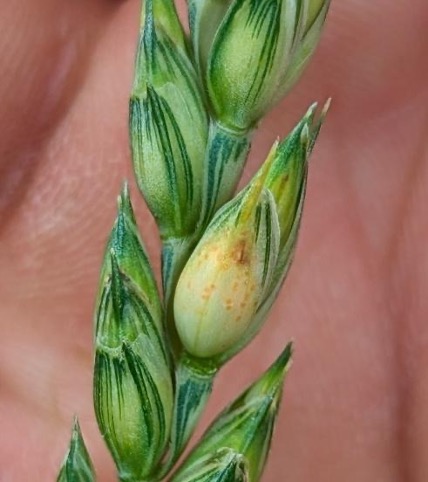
(265,20)
(223,149)
(155,122)
(257,220)
(145,323)
(146,386)
(103,315)
(160,122)
(179,67)
(268,241)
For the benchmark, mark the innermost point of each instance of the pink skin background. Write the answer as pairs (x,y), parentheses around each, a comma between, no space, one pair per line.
(356,402)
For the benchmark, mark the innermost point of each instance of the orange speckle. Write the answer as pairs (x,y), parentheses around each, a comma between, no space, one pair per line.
(240,252)
(208,291)
(228,304)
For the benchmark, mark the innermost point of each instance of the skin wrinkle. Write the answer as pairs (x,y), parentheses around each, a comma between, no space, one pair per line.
(56,79)
(400,314)
(350,192)
(397,312)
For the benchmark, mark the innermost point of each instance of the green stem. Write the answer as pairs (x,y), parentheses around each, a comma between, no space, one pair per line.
(225,158)
(194,381)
